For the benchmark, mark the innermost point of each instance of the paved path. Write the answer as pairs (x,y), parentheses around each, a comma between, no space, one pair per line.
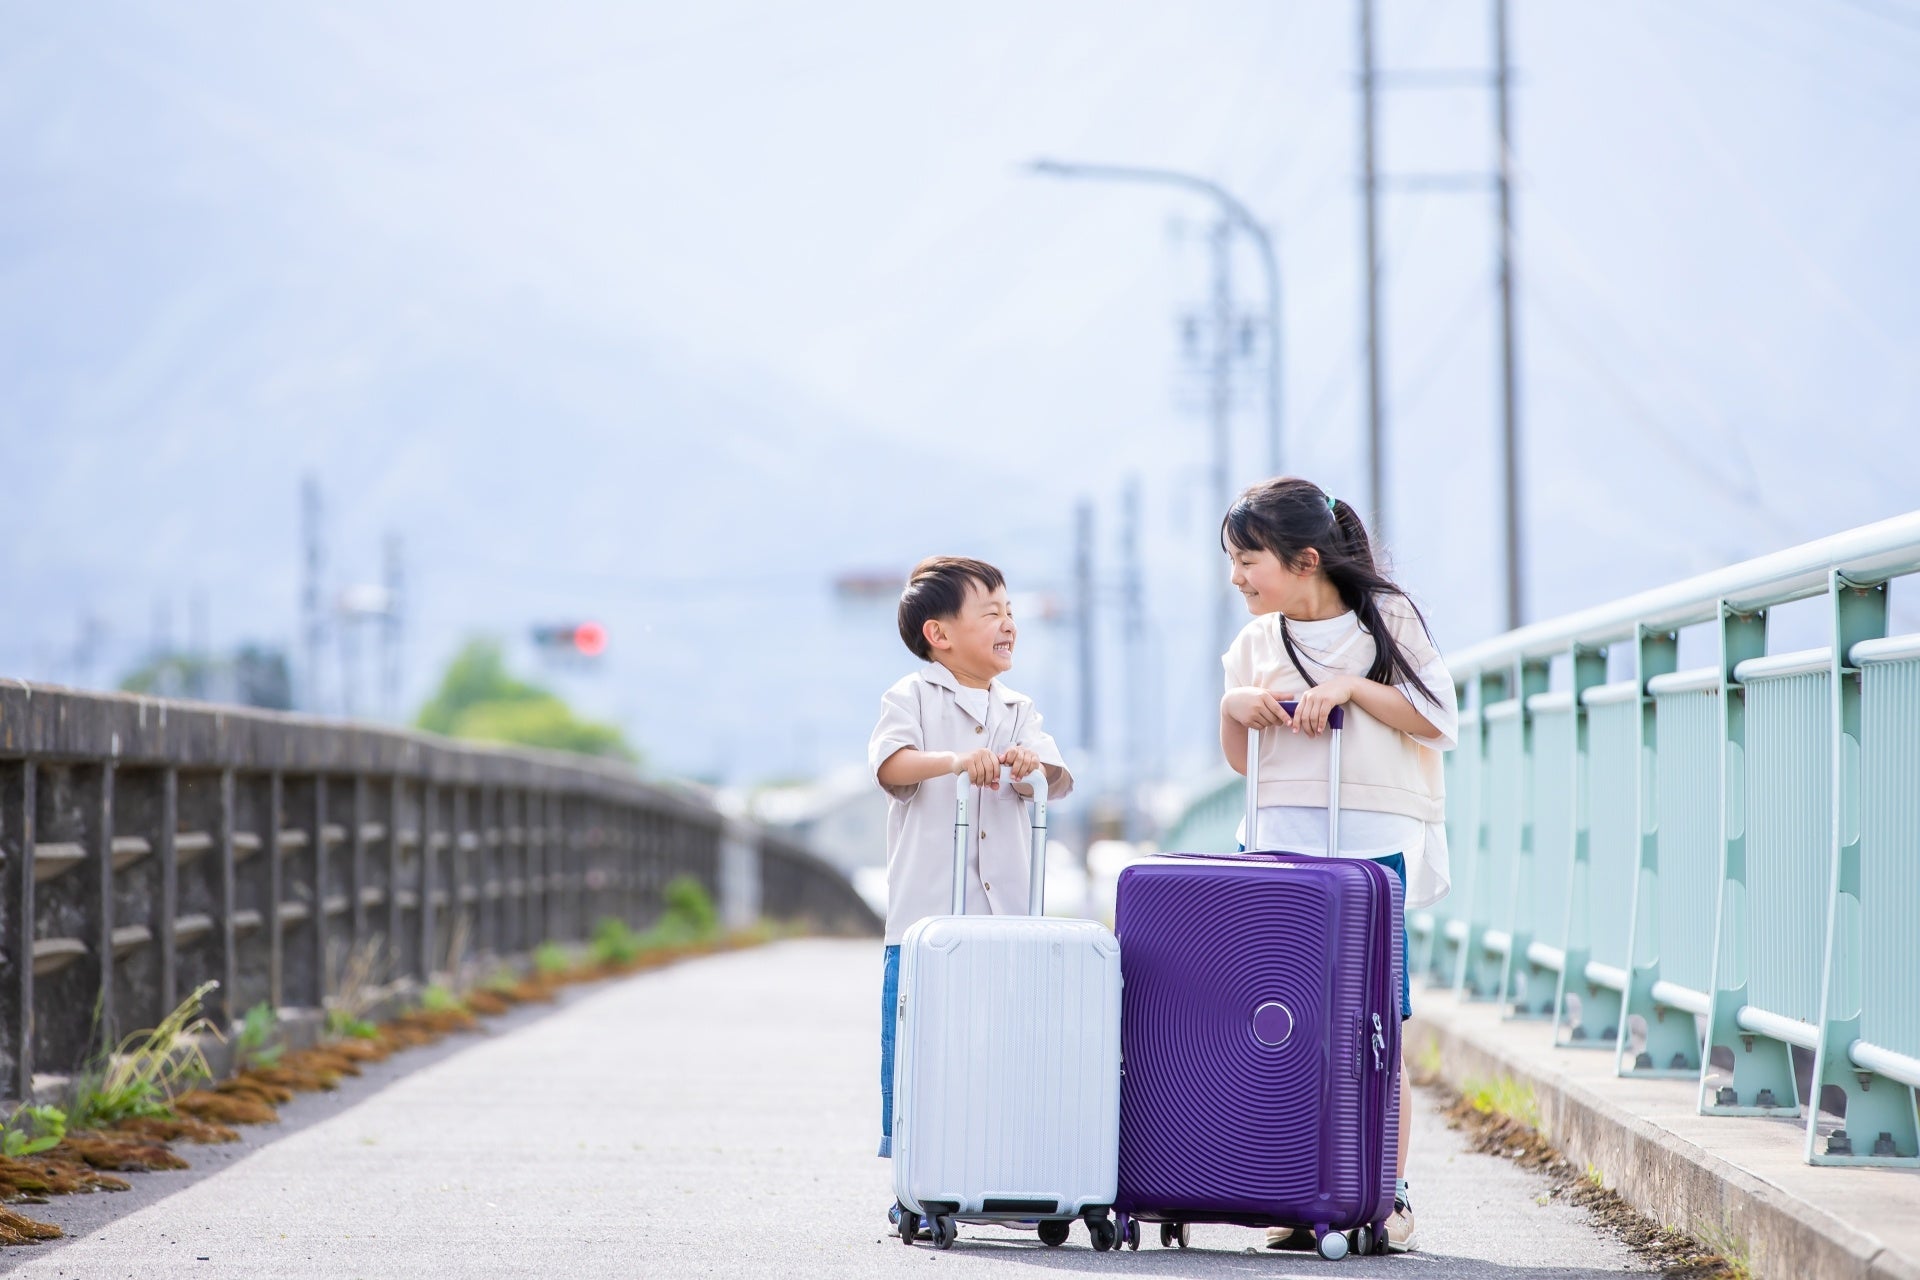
(713,1119)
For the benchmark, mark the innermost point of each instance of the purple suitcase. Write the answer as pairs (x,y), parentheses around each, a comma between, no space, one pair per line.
(1260,1039)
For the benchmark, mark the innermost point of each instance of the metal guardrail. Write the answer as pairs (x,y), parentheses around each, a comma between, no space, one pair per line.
(1706,871)
(148,846)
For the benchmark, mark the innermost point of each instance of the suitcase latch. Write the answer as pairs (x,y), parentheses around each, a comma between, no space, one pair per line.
(1379,1045)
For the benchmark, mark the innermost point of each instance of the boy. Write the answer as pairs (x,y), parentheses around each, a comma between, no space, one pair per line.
(953,716)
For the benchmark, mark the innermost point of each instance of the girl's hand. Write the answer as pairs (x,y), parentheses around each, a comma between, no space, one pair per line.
(1253,708)
(1022,760)
(1315,706)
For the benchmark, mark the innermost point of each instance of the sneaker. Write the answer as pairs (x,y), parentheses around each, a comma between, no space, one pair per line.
(893,1218)
(1400,1226)
(1290,1239)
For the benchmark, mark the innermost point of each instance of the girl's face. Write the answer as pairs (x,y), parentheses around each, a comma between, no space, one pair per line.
(1270,586)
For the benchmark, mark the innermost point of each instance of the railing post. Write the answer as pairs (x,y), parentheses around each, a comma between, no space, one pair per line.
(1522,983)
(164,848)
(1599,1007)
(229,894)
(17,801)
(1471,977)
(1880,1122)
(1672,1046)
(428,800)
(1761,1064)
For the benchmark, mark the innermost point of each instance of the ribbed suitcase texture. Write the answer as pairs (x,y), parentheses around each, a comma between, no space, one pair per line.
(1255,1089)
(1007,1083)
(1261,1032)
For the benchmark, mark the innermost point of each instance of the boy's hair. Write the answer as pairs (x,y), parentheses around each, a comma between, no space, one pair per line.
(1288,515)
(937,588)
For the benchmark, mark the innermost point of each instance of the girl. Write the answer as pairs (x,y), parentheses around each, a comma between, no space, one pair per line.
(1328,629)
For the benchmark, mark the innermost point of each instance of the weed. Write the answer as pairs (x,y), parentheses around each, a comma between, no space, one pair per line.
(1734,1255)
(349,1010)
(146,1071)
(255,1045)
(1504,1096)
(31,1130)
(690,908)
(1426,1060)
(438,998)
(614,944)
(1596,1179)
(550,959)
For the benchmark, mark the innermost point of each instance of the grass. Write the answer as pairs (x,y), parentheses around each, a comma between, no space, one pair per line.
(1504,1096)
(256,1044)
(349,1010)
(31,1130)
(140,1078)
(689,920)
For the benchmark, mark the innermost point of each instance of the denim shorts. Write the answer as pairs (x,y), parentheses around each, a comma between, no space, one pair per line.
(889,997)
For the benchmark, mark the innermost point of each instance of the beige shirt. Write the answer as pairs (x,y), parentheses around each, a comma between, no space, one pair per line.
(926,711)
(1392,786)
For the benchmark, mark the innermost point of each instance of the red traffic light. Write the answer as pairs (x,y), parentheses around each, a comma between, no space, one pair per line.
(590,638)
(575,639)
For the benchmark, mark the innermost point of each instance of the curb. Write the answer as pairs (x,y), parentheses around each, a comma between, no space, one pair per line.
(1783,1230)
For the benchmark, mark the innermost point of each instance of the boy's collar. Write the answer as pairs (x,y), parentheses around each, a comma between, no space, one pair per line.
(937,673)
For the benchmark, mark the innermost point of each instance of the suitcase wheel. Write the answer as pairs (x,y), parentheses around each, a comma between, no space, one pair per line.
(1362,1241)
(1175,1233)
(907,1223)
(945,1231)
(1053,1232)
(1333,1245)
(1105,1234)
(1133,1233)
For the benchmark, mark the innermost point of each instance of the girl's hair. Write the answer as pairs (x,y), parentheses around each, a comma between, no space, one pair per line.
(1289,515)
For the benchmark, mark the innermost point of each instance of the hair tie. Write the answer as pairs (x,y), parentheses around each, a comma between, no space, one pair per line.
(1330,501)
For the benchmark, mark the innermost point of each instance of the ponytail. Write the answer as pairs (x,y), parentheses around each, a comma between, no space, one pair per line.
(1287,516)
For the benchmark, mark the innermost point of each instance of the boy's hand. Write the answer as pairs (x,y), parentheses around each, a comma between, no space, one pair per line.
(1316,705)
(1254,708)
(1022,760)
(982,767)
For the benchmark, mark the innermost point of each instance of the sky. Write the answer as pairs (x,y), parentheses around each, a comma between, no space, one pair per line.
(666,316)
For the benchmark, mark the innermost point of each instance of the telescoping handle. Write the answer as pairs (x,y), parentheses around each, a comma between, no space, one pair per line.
(1336,720)
(1037,881)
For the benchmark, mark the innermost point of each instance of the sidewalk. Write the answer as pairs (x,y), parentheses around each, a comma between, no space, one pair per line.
(716,1118)
(1739,1180)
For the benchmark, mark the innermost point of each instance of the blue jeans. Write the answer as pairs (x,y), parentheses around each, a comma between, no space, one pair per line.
(889,997)
(1397,863)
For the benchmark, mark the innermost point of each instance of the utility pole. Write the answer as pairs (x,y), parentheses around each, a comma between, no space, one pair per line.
(1500,183)
(1221,405)
(1509,419)
(1376,487)
(313,620)
(199,655)
(1083,616)
(1133,625)
(394,579)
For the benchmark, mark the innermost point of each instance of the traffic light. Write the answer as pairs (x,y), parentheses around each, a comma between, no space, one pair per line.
(572,639)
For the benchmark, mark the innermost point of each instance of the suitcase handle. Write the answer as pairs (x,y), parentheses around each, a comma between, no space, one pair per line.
(1037,881)
(1336,720)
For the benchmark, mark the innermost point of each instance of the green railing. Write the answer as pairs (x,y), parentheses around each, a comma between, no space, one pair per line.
(1706,871)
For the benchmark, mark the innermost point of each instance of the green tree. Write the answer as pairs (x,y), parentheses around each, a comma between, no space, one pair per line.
(481,701)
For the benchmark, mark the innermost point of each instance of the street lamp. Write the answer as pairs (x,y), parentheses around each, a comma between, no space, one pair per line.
(1232,214)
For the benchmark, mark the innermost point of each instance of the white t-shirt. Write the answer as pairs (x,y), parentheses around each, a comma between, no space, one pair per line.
(1340,646)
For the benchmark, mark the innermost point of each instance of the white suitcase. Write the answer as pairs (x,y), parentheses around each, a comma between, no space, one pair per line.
(1006,1084)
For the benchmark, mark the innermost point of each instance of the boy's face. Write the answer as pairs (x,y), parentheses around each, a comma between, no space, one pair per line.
(978,640)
